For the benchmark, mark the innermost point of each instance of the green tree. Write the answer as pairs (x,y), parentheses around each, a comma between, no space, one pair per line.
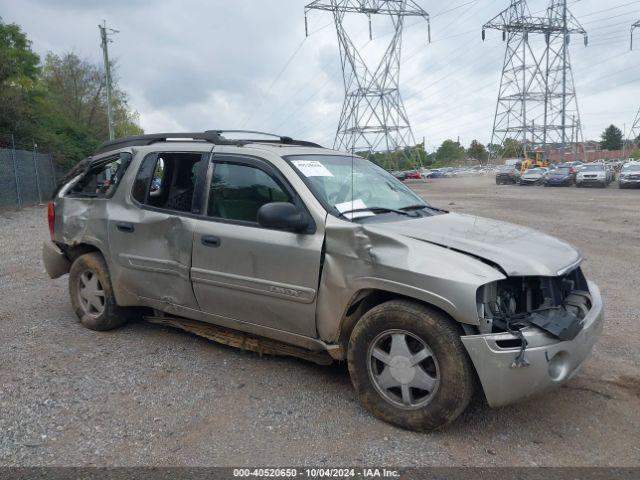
(407,158)
(612,138)
(18,81)
(494,149)
(450,151)
(512,148)
(478,151)
(74,115)
(635,154)
(60,104)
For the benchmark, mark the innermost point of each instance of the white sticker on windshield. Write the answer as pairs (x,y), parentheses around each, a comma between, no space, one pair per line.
(312,168)
(354,205)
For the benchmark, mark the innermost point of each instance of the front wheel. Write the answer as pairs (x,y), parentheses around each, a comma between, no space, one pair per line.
(92,296)
(409,367)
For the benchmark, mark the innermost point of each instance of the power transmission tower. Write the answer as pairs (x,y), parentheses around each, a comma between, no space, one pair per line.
(373,116)
(537,102)
(104,37)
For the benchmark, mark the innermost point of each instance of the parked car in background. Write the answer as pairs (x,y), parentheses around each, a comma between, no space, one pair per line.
(560,177)
(412,175)
(629,175)
(533,176)
(436,173)
(593,174)
(507,174)
(573,166)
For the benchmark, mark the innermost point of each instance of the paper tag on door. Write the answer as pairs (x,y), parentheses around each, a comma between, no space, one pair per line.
(354,205)
(312,168)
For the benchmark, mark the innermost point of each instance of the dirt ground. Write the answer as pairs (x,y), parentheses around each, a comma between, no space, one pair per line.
(148,395)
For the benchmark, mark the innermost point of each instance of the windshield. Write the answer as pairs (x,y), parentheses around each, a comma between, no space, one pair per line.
(331,180)
(535,171)
(593,168)
(505,168)
(562,171)
(631,168)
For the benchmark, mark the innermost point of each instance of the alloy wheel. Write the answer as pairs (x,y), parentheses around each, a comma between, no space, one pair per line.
(91,294)
(403,369)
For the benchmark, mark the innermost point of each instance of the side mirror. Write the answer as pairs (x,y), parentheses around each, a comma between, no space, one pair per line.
(282,216)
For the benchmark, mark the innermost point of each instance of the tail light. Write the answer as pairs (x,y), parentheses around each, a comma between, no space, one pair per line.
(572,170)
(51,217)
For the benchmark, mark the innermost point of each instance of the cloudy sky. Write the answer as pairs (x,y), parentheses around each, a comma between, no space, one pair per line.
(201,64)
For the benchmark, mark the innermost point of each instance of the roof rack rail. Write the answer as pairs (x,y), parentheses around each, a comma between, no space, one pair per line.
(215,137)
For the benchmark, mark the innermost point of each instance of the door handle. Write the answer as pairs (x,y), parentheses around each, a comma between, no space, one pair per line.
(210,241)
(125,227)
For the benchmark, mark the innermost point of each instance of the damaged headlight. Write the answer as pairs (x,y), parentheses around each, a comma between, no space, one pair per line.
(557,305)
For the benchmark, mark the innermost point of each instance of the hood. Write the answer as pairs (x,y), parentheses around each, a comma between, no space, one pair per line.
(519,251)
(532,175)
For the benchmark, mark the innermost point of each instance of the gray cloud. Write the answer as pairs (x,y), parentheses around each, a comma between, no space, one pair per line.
(212,64)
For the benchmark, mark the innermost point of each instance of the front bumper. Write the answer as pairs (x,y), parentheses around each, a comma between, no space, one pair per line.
(558,183)
(552,362)
(591,181)
(506,178)
(55,261)
(629,181)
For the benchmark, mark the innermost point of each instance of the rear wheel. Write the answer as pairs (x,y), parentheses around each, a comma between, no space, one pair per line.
(92,296)
(409,367)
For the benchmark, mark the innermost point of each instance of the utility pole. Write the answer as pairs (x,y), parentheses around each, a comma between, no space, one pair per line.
(373,116)
(634,133)
(104,37)
(537,95)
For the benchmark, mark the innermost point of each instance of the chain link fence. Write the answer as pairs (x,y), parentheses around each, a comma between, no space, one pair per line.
(27,177)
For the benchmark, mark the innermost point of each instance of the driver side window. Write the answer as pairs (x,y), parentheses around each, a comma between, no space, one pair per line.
(238,191)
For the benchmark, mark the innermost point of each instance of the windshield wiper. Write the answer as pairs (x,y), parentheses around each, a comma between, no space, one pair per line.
(422,207)
(376,210)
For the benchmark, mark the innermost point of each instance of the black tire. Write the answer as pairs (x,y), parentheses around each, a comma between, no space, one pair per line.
(454,371)
(497,182)
(620,186)
(111,315)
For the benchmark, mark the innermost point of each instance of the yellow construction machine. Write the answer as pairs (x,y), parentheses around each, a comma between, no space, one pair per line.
(538,160)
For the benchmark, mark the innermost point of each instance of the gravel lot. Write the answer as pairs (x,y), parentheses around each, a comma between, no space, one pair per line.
(148,395)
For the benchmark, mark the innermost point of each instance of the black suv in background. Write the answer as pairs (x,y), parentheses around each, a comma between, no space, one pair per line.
(506,174)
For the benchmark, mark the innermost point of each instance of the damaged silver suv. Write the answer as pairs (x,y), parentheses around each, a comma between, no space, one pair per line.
(283,247)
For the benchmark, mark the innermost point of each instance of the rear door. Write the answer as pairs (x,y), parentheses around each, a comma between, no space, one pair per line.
(247,273)
(151,233)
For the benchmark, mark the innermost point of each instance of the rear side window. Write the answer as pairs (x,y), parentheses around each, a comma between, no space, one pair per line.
(102,179)
(168,180)
(238,191)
